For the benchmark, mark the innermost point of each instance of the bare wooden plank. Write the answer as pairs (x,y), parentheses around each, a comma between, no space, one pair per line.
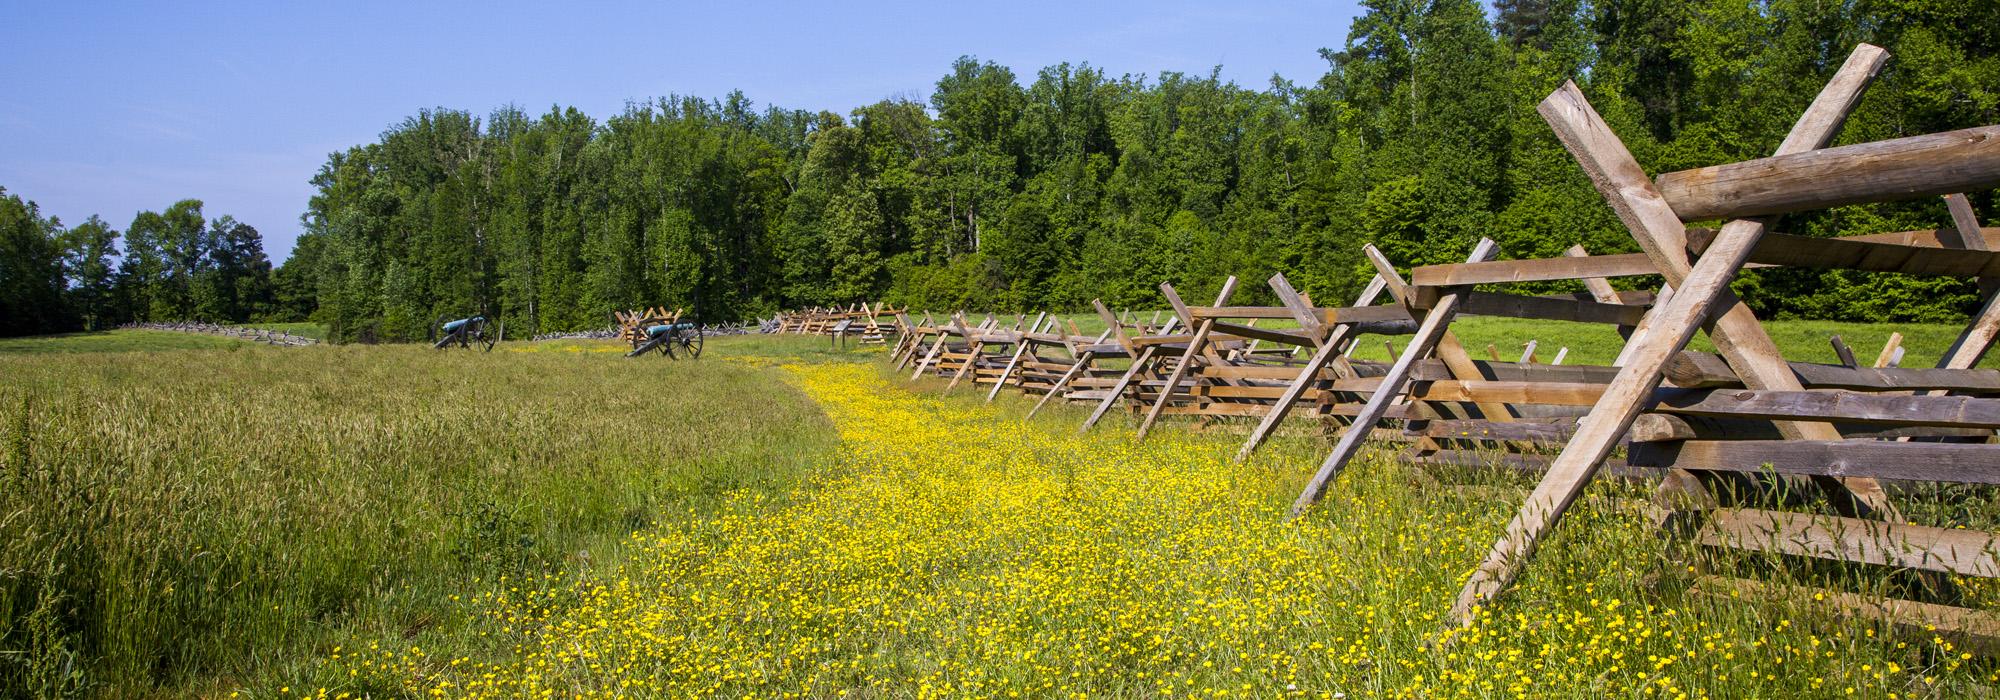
(1237,410)
(1448,349)
(1887,409)
(929,358)
(1966,160)
(1279,372)
(1873,459)
(1481,391)
(1549,308)
(1117,390)
(1272,335)
(1965,224)
(1242,392)
(1889,352)
(1597,286)
(1662,427)
(1536,270)
(1951,551)
(1700,370)
(1427,337)
(1847,253)
(1979,335)
(1020,348)
(1112,323)
(1948,237)
(973,347)
(1434,370)
(1527,463)
(1527,431)
(1141,363)
(1364,314)
(1840,350)
(1300,310)
(1330,350)
(1672,324)
(1351,410)
(1243,312)
(1196,346)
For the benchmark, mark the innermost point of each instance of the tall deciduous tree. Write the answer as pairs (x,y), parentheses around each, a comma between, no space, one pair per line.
(31,270)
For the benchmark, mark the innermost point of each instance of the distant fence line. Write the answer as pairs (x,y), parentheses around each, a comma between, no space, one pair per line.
(260,335)
(610,332)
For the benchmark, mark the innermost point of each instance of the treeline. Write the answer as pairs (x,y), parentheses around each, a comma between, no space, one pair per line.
(1011,192)
(172,265)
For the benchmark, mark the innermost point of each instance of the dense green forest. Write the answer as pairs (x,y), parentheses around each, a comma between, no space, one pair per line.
(172,265)
(1011,192)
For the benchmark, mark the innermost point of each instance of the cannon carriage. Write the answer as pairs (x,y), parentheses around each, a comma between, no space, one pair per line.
(472,332)
(655,329)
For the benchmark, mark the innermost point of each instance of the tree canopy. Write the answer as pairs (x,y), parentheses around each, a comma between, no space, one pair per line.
(1014,192)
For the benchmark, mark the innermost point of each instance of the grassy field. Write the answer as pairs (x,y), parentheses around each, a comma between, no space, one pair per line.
(121,340)
(141,340)
(203,521)
(780,519)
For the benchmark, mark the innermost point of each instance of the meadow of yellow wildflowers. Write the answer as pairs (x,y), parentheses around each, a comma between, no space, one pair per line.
(956,550)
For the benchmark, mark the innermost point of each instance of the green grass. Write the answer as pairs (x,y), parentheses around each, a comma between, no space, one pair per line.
(142,340)
(180,520)
(958,550)
(122,340)
(197,521)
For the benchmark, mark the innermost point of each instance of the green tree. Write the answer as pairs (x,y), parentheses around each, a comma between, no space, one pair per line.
(31,270)
(87,252)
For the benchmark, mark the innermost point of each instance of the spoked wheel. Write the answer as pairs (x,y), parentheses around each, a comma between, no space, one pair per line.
(437,327)
(488,339)
(690,342)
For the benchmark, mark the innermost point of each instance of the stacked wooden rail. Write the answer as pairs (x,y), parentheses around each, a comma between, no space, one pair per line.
(1746,410)
(1222,365)
(871,324)
(632,324)
(1045,356)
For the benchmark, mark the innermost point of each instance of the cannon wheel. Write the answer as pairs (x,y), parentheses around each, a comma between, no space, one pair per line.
(488,340)
(690,342)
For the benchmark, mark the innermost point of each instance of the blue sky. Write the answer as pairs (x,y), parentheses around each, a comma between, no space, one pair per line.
(116,107)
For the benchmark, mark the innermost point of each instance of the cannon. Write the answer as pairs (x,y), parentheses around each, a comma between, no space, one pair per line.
(469,332)
(670,339)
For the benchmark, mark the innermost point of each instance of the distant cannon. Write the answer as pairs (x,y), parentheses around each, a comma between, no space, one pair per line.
(470,332)
(671,339)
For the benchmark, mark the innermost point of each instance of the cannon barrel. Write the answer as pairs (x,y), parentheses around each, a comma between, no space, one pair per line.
(665,328)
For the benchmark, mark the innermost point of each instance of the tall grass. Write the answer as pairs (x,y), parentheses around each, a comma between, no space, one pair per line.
(193,521)
(958,550)
(120,340)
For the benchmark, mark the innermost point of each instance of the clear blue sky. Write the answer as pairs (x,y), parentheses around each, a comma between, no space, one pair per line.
(115,107)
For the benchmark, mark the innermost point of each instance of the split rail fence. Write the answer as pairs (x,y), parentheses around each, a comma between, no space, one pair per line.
(1730,439)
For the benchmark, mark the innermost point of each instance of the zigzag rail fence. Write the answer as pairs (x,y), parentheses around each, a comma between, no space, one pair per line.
(1747,452)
